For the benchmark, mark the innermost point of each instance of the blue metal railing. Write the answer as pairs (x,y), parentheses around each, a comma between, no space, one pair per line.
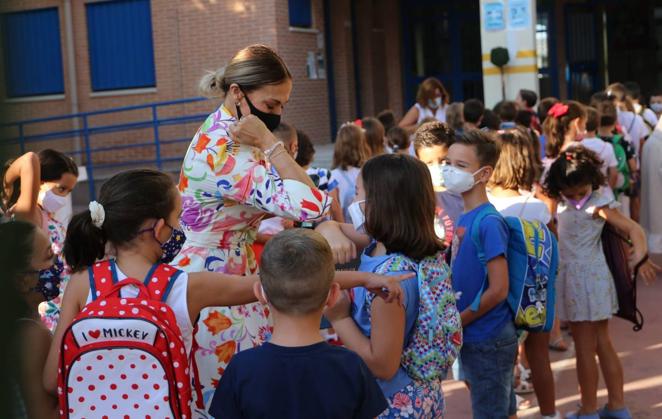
(85,130)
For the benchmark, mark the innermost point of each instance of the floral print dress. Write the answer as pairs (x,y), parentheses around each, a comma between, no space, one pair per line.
(226,190)
(57,275)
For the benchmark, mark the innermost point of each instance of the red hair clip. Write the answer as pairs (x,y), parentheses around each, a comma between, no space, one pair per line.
(558,110)
(358,122)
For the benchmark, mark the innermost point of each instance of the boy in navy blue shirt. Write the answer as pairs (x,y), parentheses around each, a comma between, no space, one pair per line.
(297,375)
(488,355)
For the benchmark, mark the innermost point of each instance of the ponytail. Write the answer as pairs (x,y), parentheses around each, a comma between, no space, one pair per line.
(85,243)
(126,202)
(557,123)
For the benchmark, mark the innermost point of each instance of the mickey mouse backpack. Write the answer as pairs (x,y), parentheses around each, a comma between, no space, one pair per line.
(125,357)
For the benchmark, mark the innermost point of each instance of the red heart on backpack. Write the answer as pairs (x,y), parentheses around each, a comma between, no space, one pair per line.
(95,333)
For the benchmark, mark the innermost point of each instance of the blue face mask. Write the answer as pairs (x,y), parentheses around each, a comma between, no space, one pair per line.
(172,246)
(49,280)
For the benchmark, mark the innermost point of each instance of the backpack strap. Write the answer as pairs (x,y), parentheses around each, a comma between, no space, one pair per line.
(160,280)
(487,211)
(103,275)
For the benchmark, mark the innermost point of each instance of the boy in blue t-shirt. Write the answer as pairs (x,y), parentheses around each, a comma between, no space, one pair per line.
(490,343)
(297,375)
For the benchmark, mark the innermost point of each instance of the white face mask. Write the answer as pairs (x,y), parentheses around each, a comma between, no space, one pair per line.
(637,108)
(51,202)
(356,214)
(435,173)
(457,180)
(656,107)
(434,103)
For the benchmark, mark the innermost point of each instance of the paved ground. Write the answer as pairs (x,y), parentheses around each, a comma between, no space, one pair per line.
(640,354)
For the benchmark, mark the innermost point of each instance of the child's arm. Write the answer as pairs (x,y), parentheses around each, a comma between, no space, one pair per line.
(336,210)
(636,234)
(612,176)
(385,286)
(35,344)
(26,168)
(383,350)
(73,301)
(210,289)
(343,239)
(496,292)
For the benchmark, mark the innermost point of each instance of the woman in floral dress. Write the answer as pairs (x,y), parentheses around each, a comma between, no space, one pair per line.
(227,187)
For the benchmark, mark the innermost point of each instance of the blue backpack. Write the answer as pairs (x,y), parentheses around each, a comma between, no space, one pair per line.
(532,268)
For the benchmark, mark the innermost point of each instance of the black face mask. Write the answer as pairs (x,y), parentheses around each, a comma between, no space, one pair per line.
(271,120)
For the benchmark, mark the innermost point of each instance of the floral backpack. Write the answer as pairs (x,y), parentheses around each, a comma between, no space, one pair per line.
(437,337)
(124,357)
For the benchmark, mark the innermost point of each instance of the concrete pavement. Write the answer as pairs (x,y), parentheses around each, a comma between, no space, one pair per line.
(640,354)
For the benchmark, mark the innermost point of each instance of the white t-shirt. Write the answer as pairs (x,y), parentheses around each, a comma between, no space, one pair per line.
(649,117)
(176,300)
(604,150)
(346,187)
(634,126)
(424,112)
(522,206)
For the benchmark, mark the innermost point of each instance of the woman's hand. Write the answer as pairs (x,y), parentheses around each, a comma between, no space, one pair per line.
(344,249)
(250,130)
(340,309)
(387,286)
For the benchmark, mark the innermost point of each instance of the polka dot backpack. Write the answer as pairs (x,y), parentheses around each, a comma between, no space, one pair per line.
(125,357)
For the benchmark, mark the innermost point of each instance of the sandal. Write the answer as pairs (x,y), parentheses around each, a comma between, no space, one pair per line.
(559,345)
(524,386)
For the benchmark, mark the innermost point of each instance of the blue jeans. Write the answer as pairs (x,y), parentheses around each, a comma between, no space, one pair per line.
(488,368)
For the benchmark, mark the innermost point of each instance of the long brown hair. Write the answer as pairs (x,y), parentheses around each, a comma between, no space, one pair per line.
(351,149)
(400,205)
(374,135)
(426,92)
(516,168)
(251,68)
(555,127)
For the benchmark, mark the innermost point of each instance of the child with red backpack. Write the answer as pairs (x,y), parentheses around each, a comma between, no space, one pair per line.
(122,344)
(409,348)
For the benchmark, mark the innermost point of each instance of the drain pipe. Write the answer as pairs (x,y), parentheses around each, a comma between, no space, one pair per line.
(71,71)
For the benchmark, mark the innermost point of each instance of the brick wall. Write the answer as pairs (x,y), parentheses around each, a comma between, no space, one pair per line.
(191,37)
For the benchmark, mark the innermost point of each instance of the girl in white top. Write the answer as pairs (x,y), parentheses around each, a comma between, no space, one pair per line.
(138,216)
(431,102)
(350,152)
(510,192)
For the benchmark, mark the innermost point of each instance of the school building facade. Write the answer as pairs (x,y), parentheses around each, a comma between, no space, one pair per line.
(349,58)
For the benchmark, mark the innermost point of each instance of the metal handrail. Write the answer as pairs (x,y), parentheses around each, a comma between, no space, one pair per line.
(86,131)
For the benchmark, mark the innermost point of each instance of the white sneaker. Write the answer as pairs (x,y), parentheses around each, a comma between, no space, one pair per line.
(557,415)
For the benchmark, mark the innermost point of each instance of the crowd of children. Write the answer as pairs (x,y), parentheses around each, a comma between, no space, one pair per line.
(422,207)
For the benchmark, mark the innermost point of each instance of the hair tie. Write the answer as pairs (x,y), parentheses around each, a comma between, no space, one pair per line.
(97,213)
(558,110)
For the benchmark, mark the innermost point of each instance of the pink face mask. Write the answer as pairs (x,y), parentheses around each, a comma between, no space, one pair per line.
(579,204)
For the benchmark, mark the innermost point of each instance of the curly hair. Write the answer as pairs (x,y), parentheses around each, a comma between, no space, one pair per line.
(433,133)
(576,166)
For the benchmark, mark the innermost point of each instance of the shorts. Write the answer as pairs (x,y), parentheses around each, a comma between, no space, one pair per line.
(488,368)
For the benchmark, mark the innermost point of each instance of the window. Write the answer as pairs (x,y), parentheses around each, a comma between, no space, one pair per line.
(120,43)
(32,53)
(300,13)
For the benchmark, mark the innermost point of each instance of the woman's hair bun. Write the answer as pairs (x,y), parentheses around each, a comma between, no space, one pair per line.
(211,84)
